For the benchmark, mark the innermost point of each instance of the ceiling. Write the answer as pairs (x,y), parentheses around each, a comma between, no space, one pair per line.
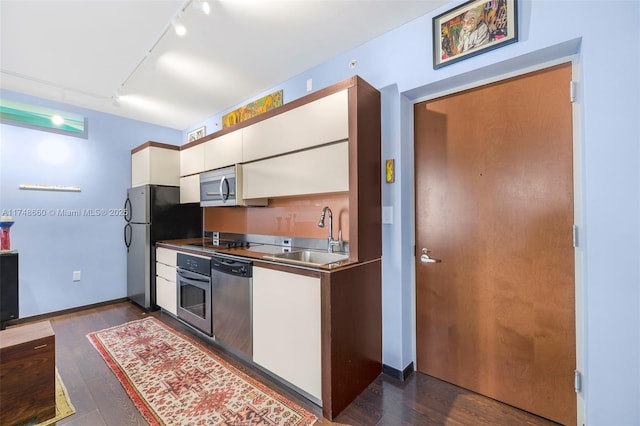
(124,57)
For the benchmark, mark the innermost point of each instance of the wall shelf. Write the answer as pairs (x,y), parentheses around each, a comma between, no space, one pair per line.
(49,188)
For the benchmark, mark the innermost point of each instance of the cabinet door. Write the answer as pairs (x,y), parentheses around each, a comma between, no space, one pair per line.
(190,189)
(165,271)
(192,160)
(140,168)
(223,151)
(167,256)
(166,294)
(166,288)
(314,171)
(316,123)
(286,327)
(155,166)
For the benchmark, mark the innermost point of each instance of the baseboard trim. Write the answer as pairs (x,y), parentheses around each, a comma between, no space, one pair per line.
(397,374)
(48,315)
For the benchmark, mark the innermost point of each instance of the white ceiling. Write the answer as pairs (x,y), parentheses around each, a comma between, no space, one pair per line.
(84,52)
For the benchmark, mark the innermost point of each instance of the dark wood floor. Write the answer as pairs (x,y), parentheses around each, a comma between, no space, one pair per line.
(99,398)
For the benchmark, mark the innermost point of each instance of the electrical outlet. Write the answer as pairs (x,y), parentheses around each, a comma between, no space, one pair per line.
(76,275)
(309,84)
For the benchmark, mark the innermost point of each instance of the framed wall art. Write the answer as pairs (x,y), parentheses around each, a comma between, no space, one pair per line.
(196,134)
(253,109)
(472,28)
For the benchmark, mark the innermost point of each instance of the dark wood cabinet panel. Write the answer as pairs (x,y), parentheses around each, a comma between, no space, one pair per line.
(27,374)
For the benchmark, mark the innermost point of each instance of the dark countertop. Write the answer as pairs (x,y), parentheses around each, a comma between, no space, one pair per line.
(253,252)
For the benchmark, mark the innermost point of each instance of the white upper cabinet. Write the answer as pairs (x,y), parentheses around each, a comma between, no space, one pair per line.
(316,123)
(190,189)
(223,151)
(324,169)
(192,160)
(155,165)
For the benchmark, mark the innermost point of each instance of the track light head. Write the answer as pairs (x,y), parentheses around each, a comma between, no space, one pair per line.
(178,26)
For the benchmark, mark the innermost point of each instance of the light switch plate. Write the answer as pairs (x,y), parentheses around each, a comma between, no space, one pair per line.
(387,215)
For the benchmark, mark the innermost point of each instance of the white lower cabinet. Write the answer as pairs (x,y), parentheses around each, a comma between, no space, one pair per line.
(286,327)
(166,287)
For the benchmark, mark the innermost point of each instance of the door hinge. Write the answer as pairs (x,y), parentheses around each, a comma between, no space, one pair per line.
(578,381)
(575,236)
(572,91)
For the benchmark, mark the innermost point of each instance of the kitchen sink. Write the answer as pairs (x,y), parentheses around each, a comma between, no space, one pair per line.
(310,257)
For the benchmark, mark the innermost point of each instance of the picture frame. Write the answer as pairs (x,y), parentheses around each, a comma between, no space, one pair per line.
(472,28)
(196,134)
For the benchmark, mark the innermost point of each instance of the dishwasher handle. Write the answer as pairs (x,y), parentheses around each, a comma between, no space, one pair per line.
(232,266)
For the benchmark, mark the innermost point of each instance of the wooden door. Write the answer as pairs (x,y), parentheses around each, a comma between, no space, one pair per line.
(494,202)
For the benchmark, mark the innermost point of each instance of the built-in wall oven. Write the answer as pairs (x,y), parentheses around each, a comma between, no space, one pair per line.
(193,278)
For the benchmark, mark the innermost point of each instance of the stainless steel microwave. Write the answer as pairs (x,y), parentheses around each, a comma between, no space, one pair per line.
(223,187)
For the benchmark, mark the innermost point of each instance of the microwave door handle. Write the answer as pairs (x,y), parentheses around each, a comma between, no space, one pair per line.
(223,181)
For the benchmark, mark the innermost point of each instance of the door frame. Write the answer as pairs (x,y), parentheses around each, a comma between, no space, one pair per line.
(578,204)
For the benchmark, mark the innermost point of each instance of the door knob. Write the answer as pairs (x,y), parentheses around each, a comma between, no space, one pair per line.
(426,259)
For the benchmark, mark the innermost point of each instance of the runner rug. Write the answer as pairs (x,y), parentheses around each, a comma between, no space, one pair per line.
(173,380)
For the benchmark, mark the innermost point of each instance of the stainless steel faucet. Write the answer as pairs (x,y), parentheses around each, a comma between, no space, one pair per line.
(331,243)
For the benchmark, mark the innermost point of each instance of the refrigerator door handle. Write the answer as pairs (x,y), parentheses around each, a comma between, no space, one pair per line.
(127,210)
(127,236)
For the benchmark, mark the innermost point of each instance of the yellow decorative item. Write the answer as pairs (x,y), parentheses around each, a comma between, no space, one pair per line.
(389,171)
(253,109)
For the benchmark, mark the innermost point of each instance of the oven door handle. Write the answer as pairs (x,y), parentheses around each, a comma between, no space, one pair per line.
(193,279)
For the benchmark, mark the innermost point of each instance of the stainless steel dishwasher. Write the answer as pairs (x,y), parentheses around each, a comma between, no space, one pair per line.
(231,280)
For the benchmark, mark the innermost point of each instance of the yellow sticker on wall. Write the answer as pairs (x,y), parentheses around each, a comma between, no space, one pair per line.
(389,174)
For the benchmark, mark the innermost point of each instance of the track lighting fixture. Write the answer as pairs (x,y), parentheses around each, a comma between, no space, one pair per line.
(206,8)
(178,26)
(115,99)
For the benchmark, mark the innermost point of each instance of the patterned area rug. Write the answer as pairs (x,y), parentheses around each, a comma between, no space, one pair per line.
(173,380)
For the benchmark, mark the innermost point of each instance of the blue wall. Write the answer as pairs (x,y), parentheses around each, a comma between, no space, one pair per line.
(603,40)
(52,246)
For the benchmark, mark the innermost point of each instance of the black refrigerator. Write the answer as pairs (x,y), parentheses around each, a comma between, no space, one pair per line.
(153,213)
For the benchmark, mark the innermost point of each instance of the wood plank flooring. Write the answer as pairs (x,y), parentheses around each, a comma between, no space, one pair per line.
(99,398)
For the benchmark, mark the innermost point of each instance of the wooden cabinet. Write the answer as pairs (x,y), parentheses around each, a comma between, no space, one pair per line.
(318,170)
(166,287)
(223,151)
(319,122)
(192,160)
(155,163)
(27,374)
(286,327)
(190,189)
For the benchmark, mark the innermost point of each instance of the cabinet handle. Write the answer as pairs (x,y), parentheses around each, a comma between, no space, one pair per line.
(40,347)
